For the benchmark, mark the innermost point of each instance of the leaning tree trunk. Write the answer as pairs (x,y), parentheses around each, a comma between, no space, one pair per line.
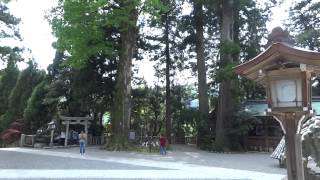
(168,66)
(225,96)
(203,131)
(120,114)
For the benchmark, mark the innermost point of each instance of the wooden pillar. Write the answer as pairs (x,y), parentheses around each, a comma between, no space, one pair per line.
(86,131)
(67,133)
(295,169)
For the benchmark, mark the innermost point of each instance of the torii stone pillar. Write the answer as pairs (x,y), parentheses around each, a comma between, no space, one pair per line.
(67,134)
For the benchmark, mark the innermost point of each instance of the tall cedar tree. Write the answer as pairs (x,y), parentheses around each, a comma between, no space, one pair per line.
(304,22)
(237,46)
(164,50)
(225,102)
(78,25)
(168,82)
(202,75)
(27,81)
(10,55)
(8,80)
(120,114)
(37,113)
(9,30)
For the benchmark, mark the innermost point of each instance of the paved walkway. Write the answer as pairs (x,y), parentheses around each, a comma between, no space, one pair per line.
(182,163)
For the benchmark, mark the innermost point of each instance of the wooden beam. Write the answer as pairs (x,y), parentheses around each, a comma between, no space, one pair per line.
(75,122)
(66,118)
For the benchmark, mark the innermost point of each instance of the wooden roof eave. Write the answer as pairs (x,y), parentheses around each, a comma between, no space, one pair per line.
(276,51)
(262,65)
(241,68)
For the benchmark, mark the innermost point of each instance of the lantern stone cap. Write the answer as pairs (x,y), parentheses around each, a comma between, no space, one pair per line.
(279,55)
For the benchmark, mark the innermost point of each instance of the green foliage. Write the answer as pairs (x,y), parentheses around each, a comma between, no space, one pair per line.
(190,116)
(251,90)
(252,33)
(91,33)
(148,110)
(37,113)
(303,22)
(182,113)
(249,29)
(167,24)
(8,80)
(228,47)
(80,25)
(80,92)
(10,55)
(242,123)
(94,26)
(20,94)
(252,25)
(155,8)
(56,68)
(225,73)
(9,30)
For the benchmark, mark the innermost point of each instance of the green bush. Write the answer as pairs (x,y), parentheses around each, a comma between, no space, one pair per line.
(242,122)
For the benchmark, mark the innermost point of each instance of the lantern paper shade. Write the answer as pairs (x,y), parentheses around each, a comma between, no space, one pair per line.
(286,92)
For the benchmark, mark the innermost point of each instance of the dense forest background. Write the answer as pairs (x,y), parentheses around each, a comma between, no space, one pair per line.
(93,72)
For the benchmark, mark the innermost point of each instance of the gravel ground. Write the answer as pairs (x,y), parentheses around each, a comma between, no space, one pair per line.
(183,162)
(254,161)
(20,160)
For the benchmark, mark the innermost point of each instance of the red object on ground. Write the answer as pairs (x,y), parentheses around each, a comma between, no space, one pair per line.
(13,133)
(17,125)
(10,135)
(162,141)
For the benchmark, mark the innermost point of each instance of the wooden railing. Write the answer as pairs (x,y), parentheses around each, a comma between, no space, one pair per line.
(263,143)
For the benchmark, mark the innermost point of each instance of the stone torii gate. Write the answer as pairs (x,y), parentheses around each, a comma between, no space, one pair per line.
(86,121)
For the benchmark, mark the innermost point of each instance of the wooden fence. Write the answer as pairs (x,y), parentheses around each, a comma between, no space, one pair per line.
(29,140)
(95,140)
(262,143)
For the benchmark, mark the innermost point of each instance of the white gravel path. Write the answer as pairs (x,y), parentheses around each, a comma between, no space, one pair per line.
(181,163)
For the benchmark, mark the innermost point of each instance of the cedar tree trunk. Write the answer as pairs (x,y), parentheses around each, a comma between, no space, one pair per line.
(120,115)
(225,97)
(202,77)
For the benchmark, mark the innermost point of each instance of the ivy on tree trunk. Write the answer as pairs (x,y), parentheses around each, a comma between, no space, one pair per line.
(120,115)
(225,103)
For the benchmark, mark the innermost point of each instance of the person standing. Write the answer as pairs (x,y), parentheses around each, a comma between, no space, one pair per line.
(82,142)
(163,141)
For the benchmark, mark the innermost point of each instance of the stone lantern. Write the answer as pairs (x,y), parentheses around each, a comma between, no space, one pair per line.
(286,73)
(51,127)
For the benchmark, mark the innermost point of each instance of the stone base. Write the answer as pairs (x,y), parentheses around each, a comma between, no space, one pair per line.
(40,145)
